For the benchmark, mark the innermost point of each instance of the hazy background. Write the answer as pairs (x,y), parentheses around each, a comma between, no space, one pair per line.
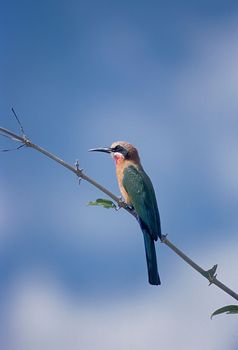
(162,75)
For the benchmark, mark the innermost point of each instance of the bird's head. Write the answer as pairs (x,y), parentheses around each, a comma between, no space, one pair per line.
(121,151)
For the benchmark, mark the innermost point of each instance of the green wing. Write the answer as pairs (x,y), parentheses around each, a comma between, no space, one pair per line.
(140,189)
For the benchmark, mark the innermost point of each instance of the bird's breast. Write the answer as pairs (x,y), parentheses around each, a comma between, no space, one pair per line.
(120,173)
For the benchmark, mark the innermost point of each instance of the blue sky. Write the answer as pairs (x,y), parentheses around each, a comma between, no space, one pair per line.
(162,76)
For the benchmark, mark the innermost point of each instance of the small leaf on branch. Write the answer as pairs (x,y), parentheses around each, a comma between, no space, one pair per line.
(229,309)
(105,203)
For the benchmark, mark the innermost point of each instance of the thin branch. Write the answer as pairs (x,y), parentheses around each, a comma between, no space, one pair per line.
(209,274)
(76,170)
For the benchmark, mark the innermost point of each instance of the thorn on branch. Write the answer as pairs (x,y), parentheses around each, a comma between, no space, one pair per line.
(77,164)
(212,280)
(13,149)
(23,139)
(18,121)
(78,170)
(211,274)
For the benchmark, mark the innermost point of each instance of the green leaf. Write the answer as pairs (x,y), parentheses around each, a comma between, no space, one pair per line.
(229,309)
(105,203)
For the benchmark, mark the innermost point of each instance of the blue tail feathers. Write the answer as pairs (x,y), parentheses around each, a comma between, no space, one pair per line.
(151,259)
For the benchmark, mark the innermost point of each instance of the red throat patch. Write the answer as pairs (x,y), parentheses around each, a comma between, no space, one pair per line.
(118,158)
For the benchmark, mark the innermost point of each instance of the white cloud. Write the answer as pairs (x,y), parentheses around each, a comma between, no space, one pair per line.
(169,317)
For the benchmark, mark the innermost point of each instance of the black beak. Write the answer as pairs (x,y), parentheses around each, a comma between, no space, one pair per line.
(105,150)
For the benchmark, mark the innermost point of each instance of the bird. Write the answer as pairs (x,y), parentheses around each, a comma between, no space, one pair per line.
(138,193)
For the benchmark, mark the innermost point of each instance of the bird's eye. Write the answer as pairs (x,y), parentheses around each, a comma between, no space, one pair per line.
(117,148)
(121,150)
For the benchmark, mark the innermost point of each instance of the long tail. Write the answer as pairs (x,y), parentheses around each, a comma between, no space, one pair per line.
(151,258)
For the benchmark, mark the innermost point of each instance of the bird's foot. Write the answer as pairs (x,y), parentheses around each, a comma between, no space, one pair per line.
(130,207)
(123,204)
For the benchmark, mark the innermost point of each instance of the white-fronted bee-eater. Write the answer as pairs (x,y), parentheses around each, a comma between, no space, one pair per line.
(138,192)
